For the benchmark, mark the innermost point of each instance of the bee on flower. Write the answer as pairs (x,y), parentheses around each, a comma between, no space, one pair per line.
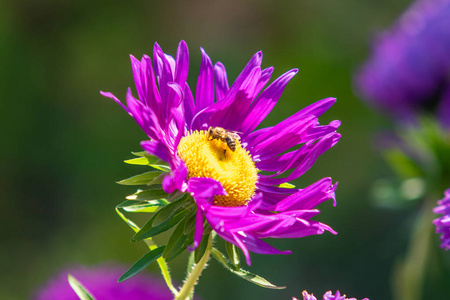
(222,174)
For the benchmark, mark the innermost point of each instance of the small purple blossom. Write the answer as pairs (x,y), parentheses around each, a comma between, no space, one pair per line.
(407,73)
(169,115)
(443,223)
(101,282)
(327,296)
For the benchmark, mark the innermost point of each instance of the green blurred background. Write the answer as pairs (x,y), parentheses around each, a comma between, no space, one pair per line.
(63,144)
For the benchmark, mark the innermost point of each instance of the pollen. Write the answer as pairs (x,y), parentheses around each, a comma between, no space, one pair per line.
(212,158)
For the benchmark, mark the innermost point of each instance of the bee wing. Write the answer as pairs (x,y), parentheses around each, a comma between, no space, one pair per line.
(234,134)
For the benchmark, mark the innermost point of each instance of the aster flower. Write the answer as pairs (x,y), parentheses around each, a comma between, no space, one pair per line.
(327,296)
(101,281)
(443,223)
(407,73)
(237,176)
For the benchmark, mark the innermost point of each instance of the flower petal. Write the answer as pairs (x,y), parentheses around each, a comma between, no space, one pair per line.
(111,96)
(220,78)
(158,149)
(263,105)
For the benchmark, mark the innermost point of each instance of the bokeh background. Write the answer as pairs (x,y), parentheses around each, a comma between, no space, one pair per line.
(62,144)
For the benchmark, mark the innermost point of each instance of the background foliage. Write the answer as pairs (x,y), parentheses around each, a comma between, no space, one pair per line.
(63,144)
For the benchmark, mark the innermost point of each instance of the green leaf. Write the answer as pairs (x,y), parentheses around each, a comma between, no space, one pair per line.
(161,262)
(146,159)
(178,241)
(190,224)
(169,210)
(163,168)
(145,195)
(200,251)
(79,289)
(233,254)
(149,230)
(141,179)
(141,206)
(163,220)
(287,185)
(158,180)
(142,263)
(142,161)
(253,278)
(141,153)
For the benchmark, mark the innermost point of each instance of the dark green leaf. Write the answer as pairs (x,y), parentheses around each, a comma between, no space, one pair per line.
(200,251)
(178,241)
(177,251)
(142,263)
(190,224)
(233,255)
(141,179)
(79,289)
(169,210)
(173,214)
(164,226)
(145,195)
(253,278)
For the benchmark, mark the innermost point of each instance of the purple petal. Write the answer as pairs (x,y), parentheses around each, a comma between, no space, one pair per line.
(262,106)
(149,87)
(189,106)
(220,78)
(204,189)
(198,230)
(301,158)
(281,138)
(163,71)
(310,196)
(304,163)
(157,149)
(182,64)
(144,116)
(204,94)
(136,68)
(111,96)
(176,180)
(255,61)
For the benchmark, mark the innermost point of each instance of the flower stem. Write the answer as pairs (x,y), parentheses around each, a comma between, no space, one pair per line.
(409,274)
(191,280)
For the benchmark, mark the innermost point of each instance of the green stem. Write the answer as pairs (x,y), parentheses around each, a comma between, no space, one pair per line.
(161,262)
(164,268)
(188,287)
(410,273)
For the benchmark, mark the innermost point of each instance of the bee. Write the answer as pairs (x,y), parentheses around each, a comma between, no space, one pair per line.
(227,136)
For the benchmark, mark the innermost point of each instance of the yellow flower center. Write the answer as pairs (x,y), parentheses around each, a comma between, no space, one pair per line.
(212,158)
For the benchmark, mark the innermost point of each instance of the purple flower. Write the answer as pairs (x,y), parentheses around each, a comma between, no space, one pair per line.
(327,296)
(101,282)
(443,223)
(237,175)
(407,73)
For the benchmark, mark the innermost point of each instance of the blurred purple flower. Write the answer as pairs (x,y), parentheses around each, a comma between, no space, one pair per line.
(101,282)
(408,72)
(443,223)
(242,205)
(327,296)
